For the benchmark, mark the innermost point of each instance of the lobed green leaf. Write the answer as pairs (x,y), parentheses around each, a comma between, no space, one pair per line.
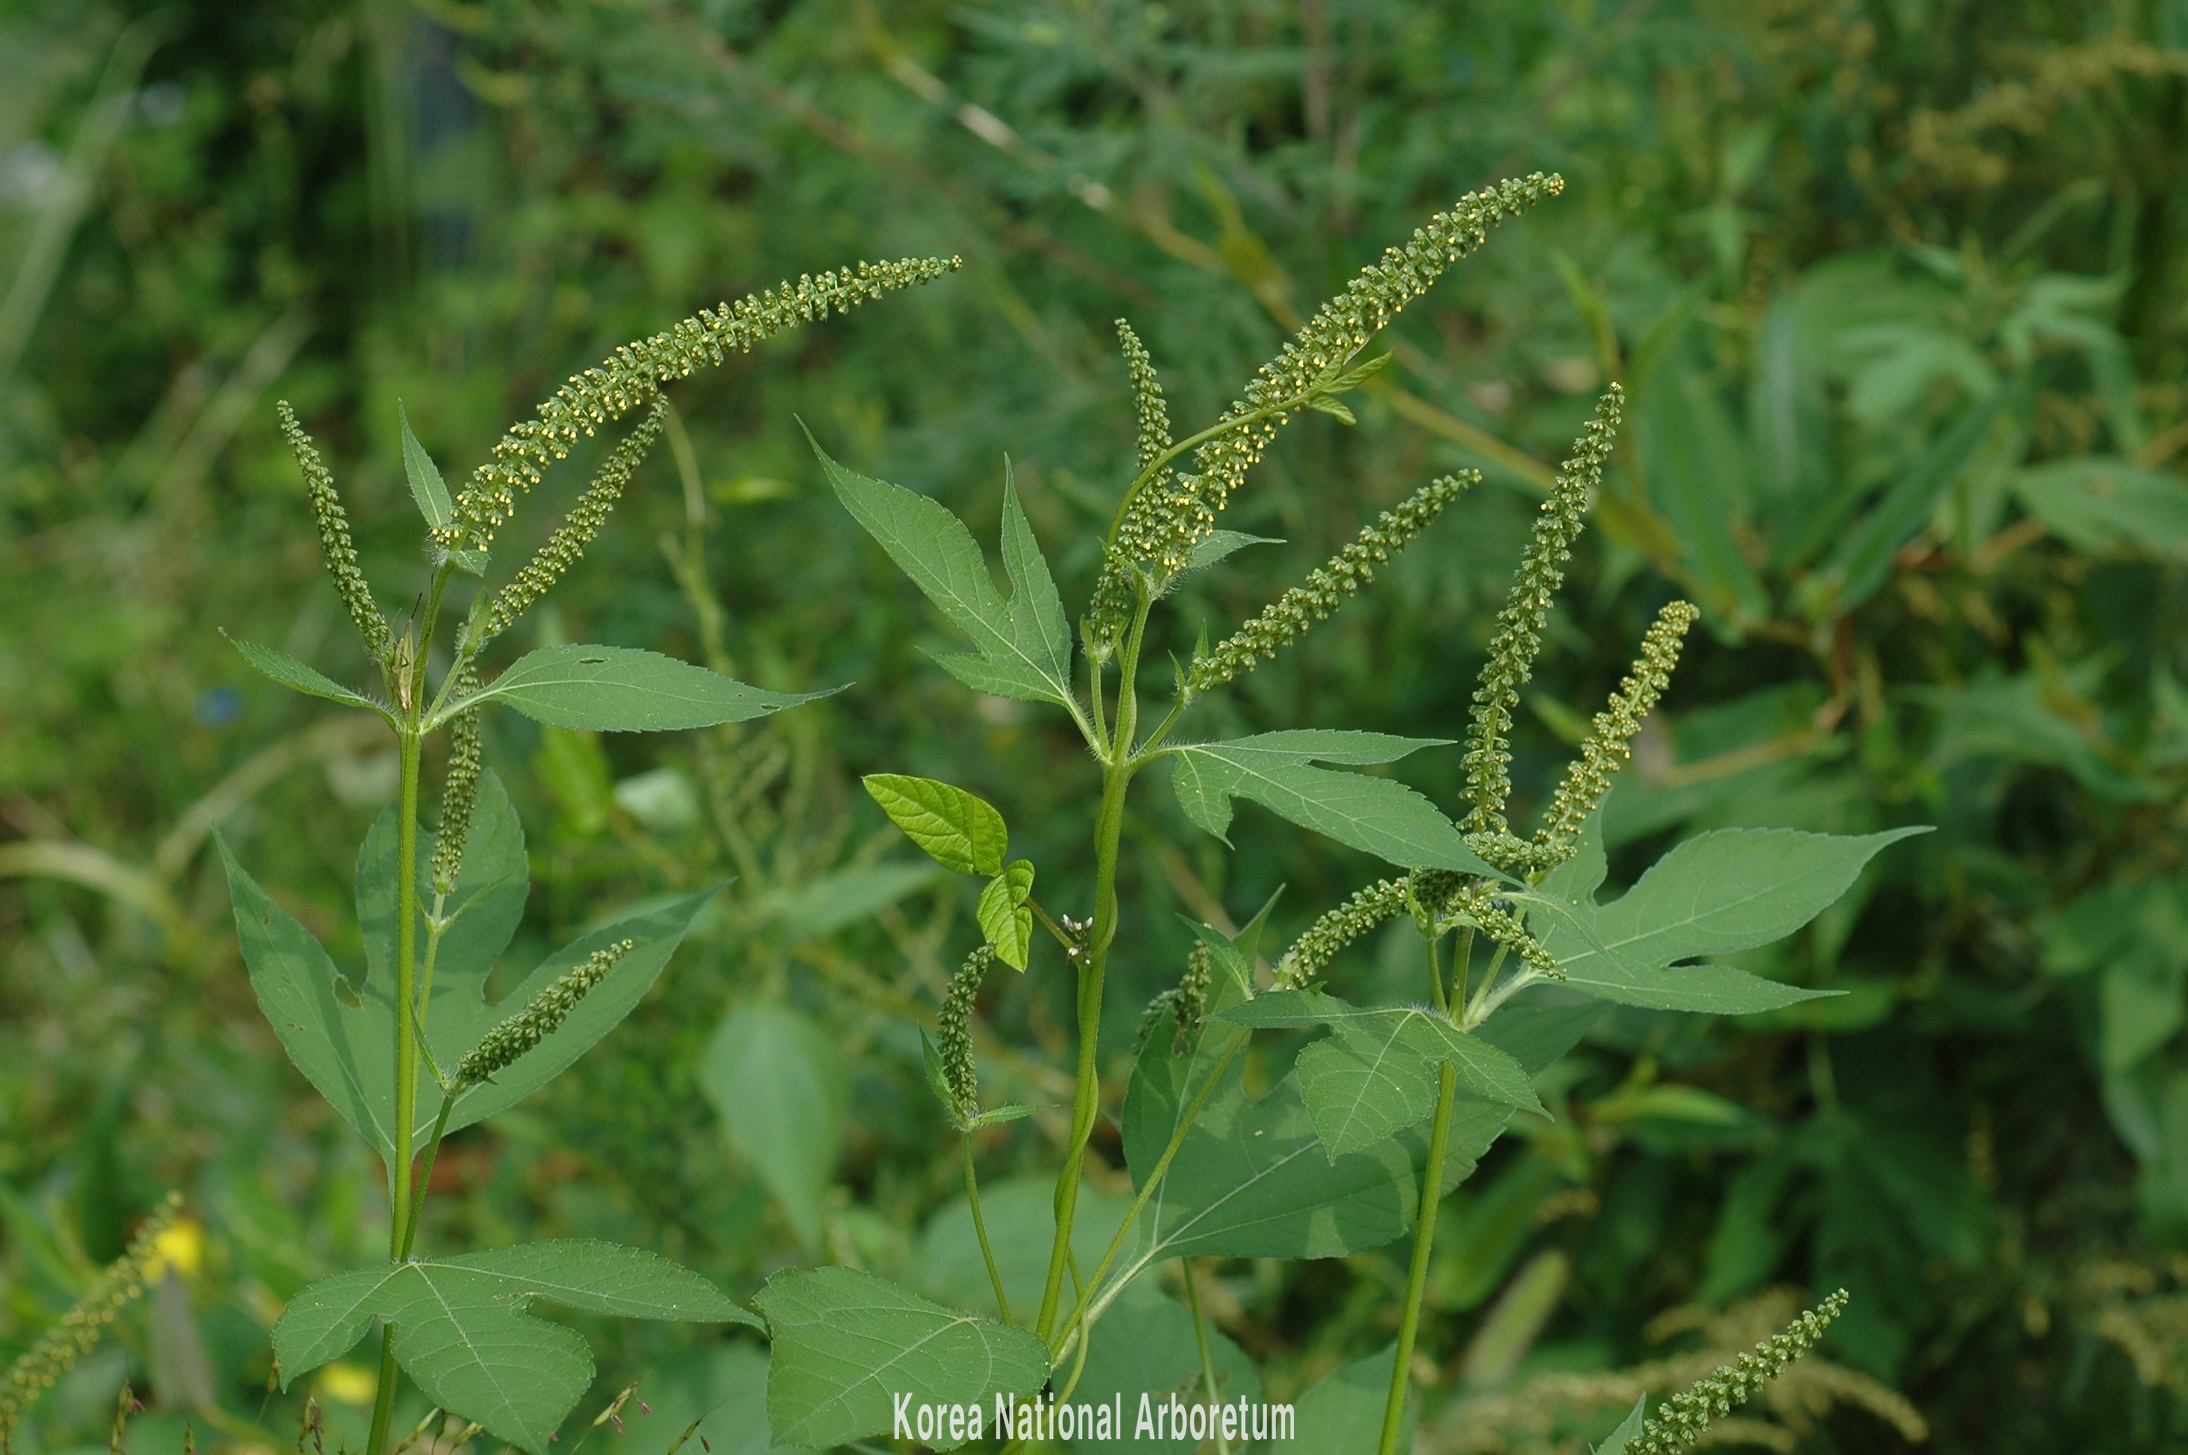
(847,1343)
(1025,643)
(463,1330)
(1376,815)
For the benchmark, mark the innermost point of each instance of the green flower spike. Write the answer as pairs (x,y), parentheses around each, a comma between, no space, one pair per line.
(634,374)
(517,1035)
(1327,586)
(1163,522)
(1611,743)
(1311,952)
(1685,1416)
(1526,611)
(334,540)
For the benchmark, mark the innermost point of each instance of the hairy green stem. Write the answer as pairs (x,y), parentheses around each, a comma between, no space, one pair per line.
(1401,1367)
(1200,1336)
(980,1230)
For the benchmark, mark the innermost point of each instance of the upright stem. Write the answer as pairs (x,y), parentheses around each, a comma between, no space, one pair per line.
(1086,1097)
(401,1225)
(1401,1369)
(1108,833)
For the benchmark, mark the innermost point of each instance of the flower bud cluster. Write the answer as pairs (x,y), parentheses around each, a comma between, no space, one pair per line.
(460,790)
(1188,999)
(1312,951)
(634,373)
(1611,743)
(566,546)
(953,1037)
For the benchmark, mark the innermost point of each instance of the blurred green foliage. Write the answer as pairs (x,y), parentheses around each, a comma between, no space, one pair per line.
(1895,286)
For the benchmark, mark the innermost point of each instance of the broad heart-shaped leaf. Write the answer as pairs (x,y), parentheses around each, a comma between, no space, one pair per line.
(625,690)
(292,674)
(1376,815)
(426,485)
(463,1332)
(342,1035)
(781,1087)
(1718,892)
(960,831)
(1342,1414)
(1003,915)
(848,1345)
(1024,643)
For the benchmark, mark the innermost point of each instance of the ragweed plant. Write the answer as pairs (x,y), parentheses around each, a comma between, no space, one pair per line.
(413,1050)
(1383,1117)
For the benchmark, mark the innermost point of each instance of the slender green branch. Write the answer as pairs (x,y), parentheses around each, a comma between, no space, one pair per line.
(980,1230)
(1401,1367)
(1063,936)
(1474,1010)
(1435,973)
(1462,960)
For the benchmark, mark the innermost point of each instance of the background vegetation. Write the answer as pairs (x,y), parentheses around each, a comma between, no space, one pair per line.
(1897,288)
